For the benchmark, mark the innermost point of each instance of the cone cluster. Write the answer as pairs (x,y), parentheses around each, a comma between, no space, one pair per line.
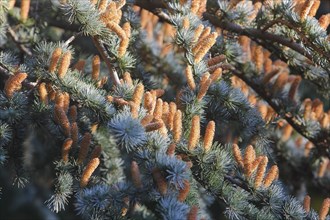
(255,167)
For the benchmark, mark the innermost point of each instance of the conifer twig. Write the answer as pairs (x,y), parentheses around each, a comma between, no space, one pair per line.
(20,46)
(255,33)
(321,140)
(154,7)
(235,28)
(72,38)
(112,72)
(301,35)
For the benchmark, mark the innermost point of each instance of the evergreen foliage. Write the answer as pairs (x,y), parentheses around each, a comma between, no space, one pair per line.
(180,109)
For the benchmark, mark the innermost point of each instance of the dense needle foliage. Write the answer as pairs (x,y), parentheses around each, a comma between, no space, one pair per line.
(154,109)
